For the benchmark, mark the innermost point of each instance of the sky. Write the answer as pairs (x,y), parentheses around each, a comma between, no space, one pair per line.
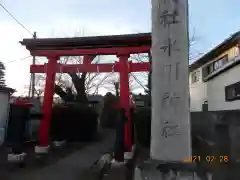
(212,21)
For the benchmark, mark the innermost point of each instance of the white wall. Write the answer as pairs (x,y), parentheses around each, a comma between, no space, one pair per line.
(4,106)
(216,90)
(198,93)
(213,91)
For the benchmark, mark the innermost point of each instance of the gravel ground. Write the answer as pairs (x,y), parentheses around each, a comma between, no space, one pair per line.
(74,157)
(33,163)
(61,158)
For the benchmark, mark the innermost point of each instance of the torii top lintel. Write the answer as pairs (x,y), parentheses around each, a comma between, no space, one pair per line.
(93,45)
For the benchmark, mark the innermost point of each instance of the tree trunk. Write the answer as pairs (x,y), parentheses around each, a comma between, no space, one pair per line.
(116,86)
(66,96)
(79,84)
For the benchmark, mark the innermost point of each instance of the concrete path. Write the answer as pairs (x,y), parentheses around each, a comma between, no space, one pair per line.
(72,167)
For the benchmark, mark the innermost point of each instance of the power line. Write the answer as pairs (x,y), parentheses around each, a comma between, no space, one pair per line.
(18,59)
(16,20)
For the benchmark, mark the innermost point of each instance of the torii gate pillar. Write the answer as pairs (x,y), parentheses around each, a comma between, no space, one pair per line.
(51,70)
(47,104)
(124,97)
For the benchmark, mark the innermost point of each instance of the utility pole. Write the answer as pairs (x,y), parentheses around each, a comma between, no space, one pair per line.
(30,86)
(32,81)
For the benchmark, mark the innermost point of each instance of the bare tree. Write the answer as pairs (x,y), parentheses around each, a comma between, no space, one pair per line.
(2,74)
(109,83)
(82,83)
(194,54)
(39,81)
(146,76)
(75,86)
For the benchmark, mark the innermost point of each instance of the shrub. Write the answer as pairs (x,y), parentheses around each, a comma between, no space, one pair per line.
(73,122)
(109,113)
(142,121)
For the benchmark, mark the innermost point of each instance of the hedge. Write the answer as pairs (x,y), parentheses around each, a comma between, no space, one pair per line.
(73,122)
(108,116)
(142,121)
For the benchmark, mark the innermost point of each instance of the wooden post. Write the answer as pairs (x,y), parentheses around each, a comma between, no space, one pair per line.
(170,129)
(32,79)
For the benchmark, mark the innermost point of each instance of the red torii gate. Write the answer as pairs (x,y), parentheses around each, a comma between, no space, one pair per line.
(120,45)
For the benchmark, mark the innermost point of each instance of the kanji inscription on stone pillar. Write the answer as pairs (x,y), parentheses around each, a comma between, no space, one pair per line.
(170,129)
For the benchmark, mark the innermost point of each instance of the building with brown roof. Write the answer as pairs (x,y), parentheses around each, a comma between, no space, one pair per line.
(214,78)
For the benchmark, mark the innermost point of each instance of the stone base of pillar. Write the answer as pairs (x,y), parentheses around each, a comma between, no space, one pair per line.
(42,149)
(168,170)
(128,155)
(105,159)
(59,143)
(115,163)
(16,158)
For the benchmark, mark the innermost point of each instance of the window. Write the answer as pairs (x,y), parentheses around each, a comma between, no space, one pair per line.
(220,62)
(232,92)
(195,76)
(208,70)
(214,66)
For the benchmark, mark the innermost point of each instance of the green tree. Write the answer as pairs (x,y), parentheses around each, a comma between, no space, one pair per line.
(2,74)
